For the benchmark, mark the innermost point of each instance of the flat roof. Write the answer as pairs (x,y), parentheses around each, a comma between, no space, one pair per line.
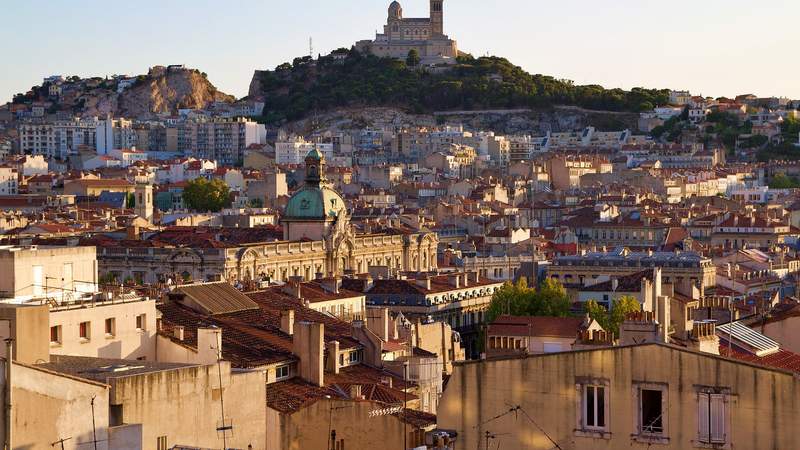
(103,369)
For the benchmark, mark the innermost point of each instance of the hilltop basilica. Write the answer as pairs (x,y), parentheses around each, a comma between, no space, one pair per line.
(426,35)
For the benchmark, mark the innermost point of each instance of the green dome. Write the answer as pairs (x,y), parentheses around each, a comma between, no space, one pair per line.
(314,153)
(312,202)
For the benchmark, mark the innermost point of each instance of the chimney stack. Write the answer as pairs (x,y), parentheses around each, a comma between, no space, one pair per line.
(333,357)
(287,322)
(308,345)
(424,282)
(178,332)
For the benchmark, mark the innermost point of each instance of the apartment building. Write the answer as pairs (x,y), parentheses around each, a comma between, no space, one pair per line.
(9,181)
(220,139)
(294,151)
(566,170)
(47,272)
(591,267)
(114,134)
(634,396)
(57,139)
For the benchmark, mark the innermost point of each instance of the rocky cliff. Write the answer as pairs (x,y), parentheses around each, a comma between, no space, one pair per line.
(167,92)
(161,91)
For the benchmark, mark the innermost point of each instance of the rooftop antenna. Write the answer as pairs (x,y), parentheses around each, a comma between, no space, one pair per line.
(60,442)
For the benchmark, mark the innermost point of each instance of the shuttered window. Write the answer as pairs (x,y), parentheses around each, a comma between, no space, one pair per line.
(711,418)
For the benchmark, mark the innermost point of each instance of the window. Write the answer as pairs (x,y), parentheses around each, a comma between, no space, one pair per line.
(55,334)
(111,326)
(84,330)
(594,407)
(711,418)
(141,322)
(161,443)
(651,412)
(281,372)
(341,359)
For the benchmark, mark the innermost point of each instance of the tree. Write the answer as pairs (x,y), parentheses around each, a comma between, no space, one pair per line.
(781,181)
(511,299)
(611,320)
(518,299)
(255,203)
(203,195)
(130,200)
(412,60)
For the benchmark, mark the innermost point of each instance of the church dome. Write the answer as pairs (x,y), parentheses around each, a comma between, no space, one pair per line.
(315,200)
(395,10)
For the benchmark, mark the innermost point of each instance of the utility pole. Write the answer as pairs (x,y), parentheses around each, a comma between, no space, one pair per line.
(9,386)
(94,427)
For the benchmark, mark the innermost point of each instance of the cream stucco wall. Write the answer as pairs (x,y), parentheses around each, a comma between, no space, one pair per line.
(763,404)
(184,405)
(126,342)
(308,428)
(49,407)
(23,280)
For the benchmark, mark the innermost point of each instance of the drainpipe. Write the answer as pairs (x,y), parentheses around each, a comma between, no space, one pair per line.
(9,363)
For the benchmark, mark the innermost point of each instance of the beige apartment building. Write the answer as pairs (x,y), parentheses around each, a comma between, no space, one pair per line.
(52,272)
(590,267)
(630,397)
(566,170)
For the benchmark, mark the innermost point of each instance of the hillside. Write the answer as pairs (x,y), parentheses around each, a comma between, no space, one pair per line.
(350,79)
(161,91)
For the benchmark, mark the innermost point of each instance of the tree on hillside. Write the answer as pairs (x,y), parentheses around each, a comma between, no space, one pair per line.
(412,60)
(518,299)
(203,195)
(611,320)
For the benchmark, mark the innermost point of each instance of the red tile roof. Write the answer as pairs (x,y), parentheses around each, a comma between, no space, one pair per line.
(566,327)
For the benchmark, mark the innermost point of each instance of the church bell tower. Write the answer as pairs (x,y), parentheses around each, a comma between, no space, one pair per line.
(437,17)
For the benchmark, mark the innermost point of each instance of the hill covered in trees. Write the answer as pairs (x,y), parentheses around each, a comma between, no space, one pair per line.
(347,78)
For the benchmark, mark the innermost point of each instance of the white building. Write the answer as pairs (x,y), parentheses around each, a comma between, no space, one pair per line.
(9,181)
(114,134)
(294,151)
(57,139)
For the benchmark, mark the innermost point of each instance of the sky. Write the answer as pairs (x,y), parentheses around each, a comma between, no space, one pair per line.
(710,47)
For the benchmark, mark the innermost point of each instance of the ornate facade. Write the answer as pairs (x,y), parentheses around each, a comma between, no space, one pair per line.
(319,241)
(426,35)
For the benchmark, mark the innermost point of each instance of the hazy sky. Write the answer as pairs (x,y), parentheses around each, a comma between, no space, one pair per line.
(712,47)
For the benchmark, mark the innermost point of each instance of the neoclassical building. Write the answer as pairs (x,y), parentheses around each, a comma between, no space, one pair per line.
(401,34)
(318,241)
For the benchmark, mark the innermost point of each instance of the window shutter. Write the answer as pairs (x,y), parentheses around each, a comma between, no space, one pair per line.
(702,417)
(717,418)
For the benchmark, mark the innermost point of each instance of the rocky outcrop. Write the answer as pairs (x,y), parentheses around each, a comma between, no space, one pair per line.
(167,92)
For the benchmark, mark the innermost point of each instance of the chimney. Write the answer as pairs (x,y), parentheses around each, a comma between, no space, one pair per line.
(424,282)
(292,287)
(332,284)
(178,332)
(132,233)
(355,392)
(333,357)
(614,284)
(308,346)
(664,322)
(287,321)
(638,328)
(465,283)
(455,280)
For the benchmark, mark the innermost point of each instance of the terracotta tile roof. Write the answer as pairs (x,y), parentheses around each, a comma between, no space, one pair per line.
(782,359)
(292,395)
(566,327)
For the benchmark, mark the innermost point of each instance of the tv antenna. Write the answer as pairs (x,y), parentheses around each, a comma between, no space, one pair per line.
(60,442)
(489,435)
